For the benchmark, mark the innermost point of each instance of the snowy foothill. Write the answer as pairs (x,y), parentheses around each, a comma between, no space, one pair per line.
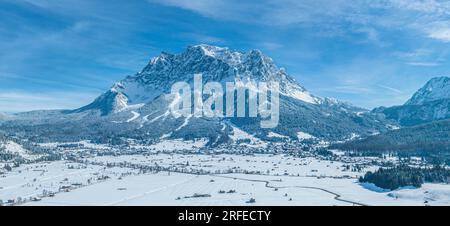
(239,135)
(15,148)
(276,135)
(304,136)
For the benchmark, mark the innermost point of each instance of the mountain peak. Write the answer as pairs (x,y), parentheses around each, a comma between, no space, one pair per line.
(218,64)
(213,52)
(208,49)
(256,55)
(436,89)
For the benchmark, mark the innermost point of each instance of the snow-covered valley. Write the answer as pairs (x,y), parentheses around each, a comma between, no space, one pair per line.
(174,178)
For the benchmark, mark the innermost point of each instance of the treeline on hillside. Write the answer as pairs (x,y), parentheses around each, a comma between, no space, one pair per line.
(46,153)
(401,176)
(430,140)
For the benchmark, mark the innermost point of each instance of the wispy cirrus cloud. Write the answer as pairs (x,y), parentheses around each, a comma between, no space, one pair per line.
(359,16)
(352,50)
(431,17)
(420,58)
(271,12)
(392,89)
(423,64)
(202,38)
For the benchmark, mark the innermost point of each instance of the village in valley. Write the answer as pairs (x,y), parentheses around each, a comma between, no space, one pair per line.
(177,172)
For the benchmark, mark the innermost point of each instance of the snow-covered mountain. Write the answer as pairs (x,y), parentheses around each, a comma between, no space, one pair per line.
(425,121)
(215,63)
(436,89)
(429,103)
(137,106)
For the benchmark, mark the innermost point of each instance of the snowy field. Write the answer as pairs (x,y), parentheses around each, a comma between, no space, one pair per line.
(198,179)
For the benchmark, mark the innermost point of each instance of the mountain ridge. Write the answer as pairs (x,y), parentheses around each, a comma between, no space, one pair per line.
(136,107)
(221,65)
(426,126)
(437,88)
(430,103)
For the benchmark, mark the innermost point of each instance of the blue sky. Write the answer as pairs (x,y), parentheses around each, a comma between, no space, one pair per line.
(64,53)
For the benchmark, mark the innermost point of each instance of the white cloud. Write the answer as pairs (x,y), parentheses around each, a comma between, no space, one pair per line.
(425,6)
(210,8)
(430,17)
(271,12)
(424,64)
(414,54)
(442,34)
(362,16)
(201,38)
(419,57)
(350,89)
(218,9)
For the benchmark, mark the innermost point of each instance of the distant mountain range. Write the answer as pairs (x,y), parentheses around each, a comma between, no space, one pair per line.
(137,107)
(425,121)
(430,103)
